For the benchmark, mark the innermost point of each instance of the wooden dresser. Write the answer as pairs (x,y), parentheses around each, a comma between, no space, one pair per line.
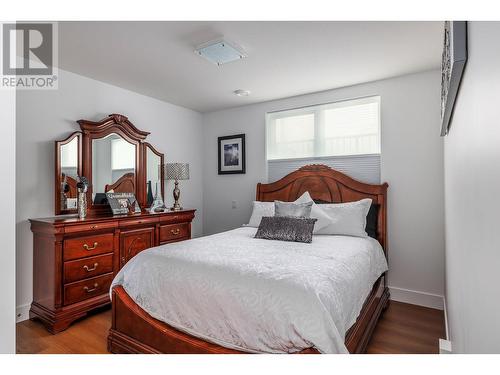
(75,260)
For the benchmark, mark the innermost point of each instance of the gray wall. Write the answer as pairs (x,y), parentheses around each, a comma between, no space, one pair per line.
(411,162)
(472,184)
(44,116)
(7,222)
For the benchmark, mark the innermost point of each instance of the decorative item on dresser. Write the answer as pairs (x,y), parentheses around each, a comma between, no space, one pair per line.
(82,187)
(75,259)
(176,172)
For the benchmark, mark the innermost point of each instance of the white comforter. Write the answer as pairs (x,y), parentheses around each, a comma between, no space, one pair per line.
(257,295)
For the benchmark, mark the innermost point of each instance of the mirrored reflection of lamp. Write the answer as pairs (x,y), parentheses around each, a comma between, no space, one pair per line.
(176,172)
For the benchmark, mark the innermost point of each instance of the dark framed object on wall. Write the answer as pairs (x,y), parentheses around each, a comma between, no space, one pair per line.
(453,63)
(231,154)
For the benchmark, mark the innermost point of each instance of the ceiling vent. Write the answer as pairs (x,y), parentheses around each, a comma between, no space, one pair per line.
(220,52)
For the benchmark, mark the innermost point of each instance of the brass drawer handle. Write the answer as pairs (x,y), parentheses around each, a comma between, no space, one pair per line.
(94,227)
(86,247)
(86,268)
(175,232)
(88,290)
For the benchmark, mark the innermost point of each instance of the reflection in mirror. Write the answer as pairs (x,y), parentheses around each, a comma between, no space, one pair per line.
(69,174)
(153,178)
(113,167)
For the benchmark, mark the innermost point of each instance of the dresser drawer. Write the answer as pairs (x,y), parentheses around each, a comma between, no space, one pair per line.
(82,290)
(174,232)
(81,247)
(76,270)
(136,222)
(176,218)
(90,227)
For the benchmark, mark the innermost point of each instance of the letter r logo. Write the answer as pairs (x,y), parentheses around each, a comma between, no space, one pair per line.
(27,49)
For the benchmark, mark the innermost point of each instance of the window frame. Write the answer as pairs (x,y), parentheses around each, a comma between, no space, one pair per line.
(317,110)
(119,139)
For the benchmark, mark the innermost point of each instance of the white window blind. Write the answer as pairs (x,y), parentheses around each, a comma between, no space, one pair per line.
(365,168)
(344,135)
(122,154)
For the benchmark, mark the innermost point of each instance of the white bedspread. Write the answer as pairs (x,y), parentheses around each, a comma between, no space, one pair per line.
(257,295)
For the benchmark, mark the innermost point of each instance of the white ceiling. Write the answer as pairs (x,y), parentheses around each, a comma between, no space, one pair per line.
(284,58)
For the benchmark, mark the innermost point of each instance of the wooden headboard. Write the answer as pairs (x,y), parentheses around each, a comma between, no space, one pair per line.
(125,184)
(326,184)
(71,183)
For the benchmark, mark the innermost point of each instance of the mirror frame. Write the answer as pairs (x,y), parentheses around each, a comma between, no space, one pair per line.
(57,188)
(90,130)
(162,171)
(120,125)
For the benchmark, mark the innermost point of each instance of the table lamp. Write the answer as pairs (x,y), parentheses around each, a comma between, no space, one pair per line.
(176,172)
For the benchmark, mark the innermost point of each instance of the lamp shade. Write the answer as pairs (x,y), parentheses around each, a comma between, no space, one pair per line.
(177,171)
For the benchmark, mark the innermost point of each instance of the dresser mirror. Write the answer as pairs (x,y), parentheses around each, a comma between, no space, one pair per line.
(113,167)
(154,173)
(113,155)
(68,154)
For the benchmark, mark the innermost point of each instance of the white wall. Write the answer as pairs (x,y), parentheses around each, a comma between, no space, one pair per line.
(7,222)
(472,185)
(412,164)
(45,116)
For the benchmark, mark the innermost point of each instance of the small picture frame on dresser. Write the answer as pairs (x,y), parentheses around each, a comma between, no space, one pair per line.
(120,203)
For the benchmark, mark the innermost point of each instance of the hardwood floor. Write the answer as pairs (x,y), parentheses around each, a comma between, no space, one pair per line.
(403,328)
(408,329)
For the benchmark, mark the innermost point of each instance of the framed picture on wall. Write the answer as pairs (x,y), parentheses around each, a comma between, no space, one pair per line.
(452,68)
(231,154)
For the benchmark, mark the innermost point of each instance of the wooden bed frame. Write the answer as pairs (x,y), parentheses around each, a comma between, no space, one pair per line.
(135,331)
(125,184)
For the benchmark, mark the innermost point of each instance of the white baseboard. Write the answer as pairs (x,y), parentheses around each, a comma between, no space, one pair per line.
(445,347)
(414,297)
(22,312)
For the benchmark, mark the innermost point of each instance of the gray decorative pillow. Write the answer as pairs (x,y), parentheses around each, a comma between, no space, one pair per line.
(291,209)
(283,228)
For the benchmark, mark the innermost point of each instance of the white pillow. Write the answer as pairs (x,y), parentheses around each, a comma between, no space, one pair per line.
(347,219)
(316,212)
(260,209)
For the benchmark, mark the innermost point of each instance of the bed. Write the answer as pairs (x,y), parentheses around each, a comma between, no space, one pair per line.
(239,279)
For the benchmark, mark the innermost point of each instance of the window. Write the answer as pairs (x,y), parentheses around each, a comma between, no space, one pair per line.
(122,154)
(69,154)
(344,135)
(351,127)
